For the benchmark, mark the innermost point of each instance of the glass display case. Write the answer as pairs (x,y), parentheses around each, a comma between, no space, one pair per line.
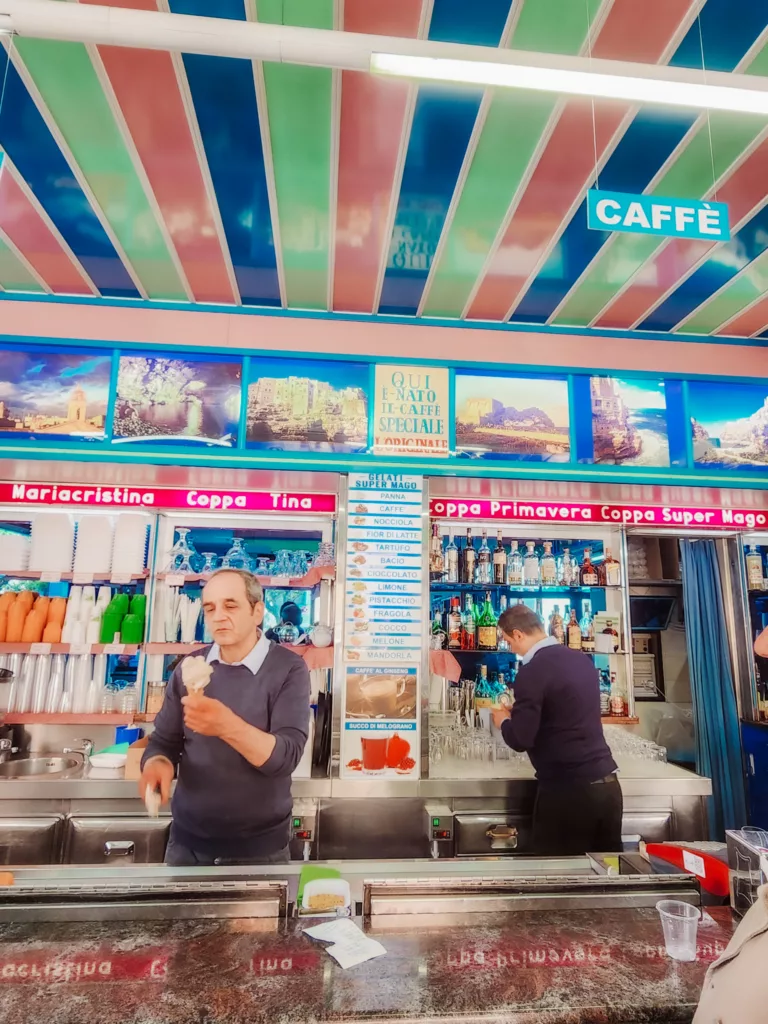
(577,586)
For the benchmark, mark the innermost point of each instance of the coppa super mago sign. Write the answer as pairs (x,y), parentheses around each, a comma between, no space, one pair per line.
(655,215)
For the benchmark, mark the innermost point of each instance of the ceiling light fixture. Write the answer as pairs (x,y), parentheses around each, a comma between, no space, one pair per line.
(632,89)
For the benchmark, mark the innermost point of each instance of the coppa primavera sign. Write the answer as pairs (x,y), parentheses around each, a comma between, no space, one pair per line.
(622,515)
(67,495)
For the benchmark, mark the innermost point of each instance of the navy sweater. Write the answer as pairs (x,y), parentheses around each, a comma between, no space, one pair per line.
(556,718)
(223,805)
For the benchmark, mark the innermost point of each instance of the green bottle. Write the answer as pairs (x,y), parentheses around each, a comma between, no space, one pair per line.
(486,626)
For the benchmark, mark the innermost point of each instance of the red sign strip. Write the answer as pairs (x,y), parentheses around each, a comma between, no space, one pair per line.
(192,499)
(606,515)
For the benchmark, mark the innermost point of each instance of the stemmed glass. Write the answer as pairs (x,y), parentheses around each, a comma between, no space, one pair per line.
(300,566)
(264,566)
(237,556)
(283,565)
(182,552)
(209,565)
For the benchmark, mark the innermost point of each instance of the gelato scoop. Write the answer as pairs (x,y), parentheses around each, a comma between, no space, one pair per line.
(196,674)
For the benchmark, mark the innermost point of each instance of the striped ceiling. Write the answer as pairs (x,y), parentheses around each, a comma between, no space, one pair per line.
(142,174)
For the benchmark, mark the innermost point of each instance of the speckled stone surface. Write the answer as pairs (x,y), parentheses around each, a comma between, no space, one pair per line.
(600,967)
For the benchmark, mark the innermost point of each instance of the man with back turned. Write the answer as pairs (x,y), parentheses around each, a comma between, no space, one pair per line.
(556,720)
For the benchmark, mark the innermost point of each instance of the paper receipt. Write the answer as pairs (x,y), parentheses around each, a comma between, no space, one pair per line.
(350,945)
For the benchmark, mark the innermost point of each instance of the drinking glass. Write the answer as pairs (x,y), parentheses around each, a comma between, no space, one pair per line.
(264,567)
(237,556)
(181,552)
(209,565)
(325,554)
(300,566)
(680,922)
(283,565)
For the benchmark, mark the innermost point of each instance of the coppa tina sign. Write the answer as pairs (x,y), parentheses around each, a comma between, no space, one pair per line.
(654,215)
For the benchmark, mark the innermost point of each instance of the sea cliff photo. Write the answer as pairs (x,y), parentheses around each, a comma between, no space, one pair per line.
(629,422)
(729,424)
(517,417)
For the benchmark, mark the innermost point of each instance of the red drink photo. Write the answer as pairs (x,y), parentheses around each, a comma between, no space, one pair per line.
(374,753)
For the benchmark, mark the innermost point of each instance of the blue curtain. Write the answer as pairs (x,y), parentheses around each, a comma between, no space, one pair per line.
(718,738)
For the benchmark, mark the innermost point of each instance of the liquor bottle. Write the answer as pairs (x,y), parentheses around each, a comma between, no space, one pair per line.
(588,573)
(612,632)
(566,569)
(531,567)
(556,625)
(483,570)
(514,566)
(436,566)
(612,569)
(469,559)
(618,708)
(486,626)
(587,626)
(754,562)
(499,560)
(548,566)
(454,625)
(483,692)
(605,693)
(438,633)
(502,644)
(451,561)
(468,626)
(574,632)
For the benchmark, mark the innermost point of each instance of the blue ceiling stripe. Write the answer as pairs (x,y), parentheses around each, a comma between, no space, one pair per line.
(26,139)
(442,126)
(728,29)
(726,261)
(224,97)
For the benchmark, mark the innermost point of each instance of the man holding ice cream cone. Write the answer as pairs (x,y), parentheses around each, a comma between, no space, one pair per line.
(235,723)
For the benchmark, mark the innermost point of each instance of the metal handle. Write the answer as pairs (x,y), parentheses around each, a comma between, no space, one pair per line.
(119,848)
(751,764)
(502,832)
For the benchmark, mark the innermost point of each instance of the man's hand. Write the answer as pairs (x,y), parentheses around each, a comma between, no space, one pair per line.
(207,716)
(157,775)
(499,716)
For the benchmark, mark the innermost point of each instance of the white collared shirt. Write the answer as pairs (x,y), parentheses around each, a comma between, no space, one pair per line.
(548,641)
(253,660)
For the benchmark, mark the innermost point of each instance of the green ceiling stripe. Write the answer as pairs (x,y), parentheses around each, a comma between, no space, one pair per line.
(739,293)
(70,88)
(513,129)
(690,176)
(14,276)
(299,101)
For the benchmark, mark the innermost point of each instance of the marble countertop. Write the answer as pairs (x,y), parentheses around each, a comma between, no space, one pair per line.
(579,967)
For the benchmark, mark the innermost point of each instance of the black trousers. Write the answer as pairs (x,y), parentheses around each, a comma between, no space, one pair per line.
(577,818)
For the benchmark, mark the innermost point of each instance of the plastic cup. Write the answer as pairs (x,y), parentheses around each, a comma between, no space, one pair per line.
(680,922)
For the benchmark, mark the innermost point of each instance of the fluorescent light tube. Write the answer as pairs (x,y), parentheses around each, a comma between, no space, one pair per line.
(574,83)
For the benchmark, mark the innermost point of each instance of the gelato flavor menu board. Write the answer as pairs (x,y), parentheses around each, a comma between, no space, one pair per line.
(383,625)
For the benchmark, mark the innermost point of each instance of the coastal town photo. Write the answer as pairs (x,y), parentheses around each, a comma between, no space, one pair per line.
(308,406)
(54,392)
(498,416)
(629,422)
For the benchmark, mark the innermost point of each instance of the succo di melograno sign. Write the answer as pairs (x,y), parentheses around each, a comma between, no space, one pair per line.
(617,515)
(655,215)
(65,495)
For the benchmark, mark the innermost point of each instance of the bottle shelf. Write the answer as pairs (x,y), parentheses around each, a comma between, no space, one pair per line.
(163,648)
(118,579)
(308,581)
(67,648)
(511,654)
(498,588)
(620,720)
(73,719)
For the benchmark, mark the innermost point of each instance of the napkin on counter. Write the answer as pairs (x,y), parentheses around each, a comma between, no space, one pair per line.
(350,945)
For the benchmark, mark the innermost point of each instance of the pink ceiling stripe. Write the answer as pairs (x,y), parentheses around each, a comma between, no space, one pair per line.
(634,32)
(752,321)
(371,125)
(144,82)
(33,238)
(743,190)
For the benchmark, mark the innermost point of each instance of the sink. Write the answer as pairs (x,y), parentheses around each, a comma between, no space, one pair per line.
(41,767)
